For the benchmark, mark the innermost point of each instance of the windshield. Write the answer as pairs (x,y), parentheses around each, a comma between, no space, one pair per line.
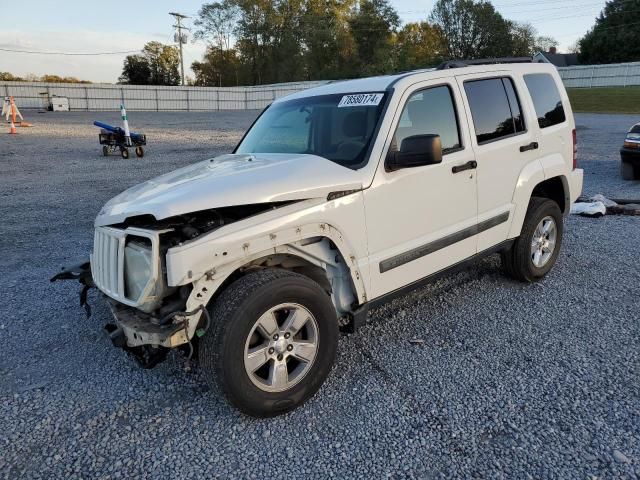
(336,127)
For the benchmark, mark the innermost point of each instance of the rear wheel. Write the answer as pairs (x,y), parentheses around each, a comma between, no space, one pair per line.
(272,342)
(139,152)
(105,151)
(124,152)
(535,251)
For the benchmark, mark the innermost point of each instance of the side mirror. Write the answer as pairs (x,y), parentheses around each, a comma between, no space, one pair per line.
(416,151)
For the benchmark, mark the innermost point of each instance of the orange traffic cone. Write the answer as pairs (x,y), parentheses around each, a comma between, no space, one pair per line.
(12,129)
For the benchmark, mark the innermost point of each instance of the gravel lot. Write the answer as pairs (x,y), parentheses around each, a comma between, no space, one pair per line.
(512,381)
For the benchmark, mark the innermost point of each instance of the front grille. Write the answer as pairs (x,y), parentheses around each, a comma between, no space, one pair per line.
(108,262)
(107,266)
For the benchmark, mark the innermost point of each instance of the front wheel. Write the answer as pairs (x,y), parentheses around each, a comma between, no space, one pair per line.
(535,251)
(272,341)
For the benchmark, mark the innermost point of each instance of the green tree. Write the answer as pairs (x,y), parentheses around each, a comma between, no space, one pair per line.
(135,70)
(525,40)
(419,45)
(472,29)
(217,22)
(615,37)
(219,68)
(373,25)
(156,65)
(326,38)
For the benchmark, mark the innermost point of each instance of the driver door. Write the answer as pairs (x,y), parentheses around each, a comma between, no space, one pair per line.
(421,220)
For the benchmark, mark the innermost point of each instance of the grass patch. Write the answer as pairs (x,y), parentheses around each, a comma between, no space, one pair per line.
(605,100)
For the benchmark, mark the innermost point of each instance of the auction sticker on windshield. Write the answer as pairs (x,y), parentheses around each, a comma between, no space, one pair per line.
(361,100)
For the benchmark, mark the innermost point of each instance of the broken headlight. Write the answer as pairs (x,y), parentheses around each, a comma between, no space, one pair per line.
(138,267)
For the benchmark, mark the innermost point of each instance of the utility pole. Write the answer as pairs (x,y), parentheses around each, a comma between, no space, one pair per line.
(180,39)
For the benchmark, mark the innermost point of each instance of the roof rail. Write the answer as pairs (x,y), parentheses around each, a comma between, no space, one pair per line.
(482,61)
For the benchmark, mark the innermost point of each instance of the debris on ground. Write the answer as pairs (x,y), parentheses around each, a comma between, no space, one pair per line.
(599,205)
(417,341)
(589,209)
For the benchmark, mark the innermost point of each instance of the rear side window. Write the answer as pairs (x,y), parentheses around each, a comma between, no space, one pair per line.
(495,108)
(546,99)
(430,111)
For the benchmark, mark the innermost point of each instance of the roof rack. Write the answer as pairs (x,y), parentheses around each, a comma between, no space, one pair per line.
(482,61)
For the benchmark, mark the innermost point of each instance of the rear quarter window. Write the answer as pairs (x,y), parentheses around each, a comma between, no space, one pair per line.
(546,99)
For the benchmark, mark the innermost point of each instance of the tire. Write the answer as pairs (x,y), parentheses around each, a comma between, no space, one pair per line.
(234,333)
(105,151)
(124,152)
(520,262)
(139,152)
(627,171)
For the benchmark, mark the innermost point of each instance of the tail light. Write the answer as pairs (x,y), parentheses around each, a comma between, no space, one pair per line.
(575,149)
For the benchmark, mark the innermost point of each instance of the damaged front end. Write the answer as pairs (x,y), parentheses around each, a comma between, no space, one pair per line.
(146,336)
(128,266)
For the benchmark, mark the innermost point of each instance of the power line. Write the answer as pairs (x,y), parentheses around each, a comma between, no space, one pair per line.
(67,53)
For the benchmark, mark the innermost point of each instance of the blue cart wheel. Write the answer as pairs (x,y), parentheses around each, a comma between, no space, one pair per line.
(124,152)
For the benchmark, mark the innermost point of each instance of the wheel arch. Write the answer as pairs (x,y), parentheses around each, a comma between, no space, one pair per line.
(532,183)
(324,257)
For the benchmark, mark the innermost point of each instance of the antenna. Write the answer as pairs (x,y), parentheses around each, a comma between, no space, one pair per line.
(180,38)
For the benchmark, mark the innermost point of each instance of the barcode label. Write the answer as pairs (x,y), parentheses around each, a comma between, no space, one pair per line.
(361,100)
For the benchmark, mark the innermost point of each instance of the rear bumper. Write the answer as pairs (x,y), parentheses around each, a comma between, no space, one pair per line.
(630,156)
(575,184)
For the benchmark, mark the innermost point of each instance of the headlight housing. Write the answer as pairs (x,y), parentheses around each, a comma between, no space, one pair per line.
(138,267)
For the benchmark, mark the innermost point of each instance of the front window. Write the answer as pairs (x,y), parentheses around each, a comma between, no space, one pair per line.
(430,111)
(339,128)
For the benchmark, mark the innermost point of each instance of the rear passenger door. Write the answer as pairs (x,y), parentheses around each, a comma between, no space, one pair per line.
(503,143)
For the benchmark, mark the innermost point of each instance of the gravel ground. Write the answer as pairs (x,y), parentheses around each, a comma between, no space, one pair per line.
(512,380)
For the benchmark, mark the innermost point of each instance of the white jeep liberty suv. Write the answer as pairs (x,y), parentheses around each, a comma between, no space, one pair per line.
(336,199)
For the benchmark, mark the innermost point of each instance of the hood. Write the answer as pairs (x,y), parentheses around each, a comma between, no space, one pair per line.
(230,180)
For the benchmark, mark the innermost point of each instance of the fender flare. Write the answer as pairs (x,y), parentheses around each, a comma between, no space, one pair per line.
(530,176)
(281,242)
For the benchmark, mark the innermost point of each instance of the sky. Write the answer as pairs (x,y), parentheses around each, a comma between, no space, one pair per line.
(89,26)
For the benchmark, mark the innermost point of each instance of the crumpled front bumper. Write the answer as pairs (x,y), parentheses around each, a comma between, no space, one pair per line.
(141,329)
(138,328)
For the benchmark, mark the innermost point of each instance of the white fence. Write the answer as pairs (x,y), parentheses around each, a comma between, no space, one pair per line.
(102,97)
(99,97)
(612,75)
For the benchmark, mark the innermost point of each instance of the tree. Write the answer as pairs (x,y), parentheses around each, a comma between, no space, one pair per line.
(615,37)
(9,77)
(135,70)
(327,41)
(156,65)
(219,68)
(373,25)
(526,42)
(472,29)
(164,62)
(419,45)
(216,23)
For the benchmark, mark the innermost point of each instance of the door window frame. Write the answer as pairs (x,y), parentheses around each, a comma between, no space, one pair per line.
(455,113)
(522,111)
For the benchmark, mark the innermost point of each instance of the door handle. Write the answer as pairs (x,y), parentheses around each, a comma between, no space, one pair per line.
(531,146)
(470,165)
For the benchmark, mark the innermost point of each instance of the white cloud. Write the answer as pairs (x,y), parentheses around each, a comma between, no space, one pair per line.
(103,68)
